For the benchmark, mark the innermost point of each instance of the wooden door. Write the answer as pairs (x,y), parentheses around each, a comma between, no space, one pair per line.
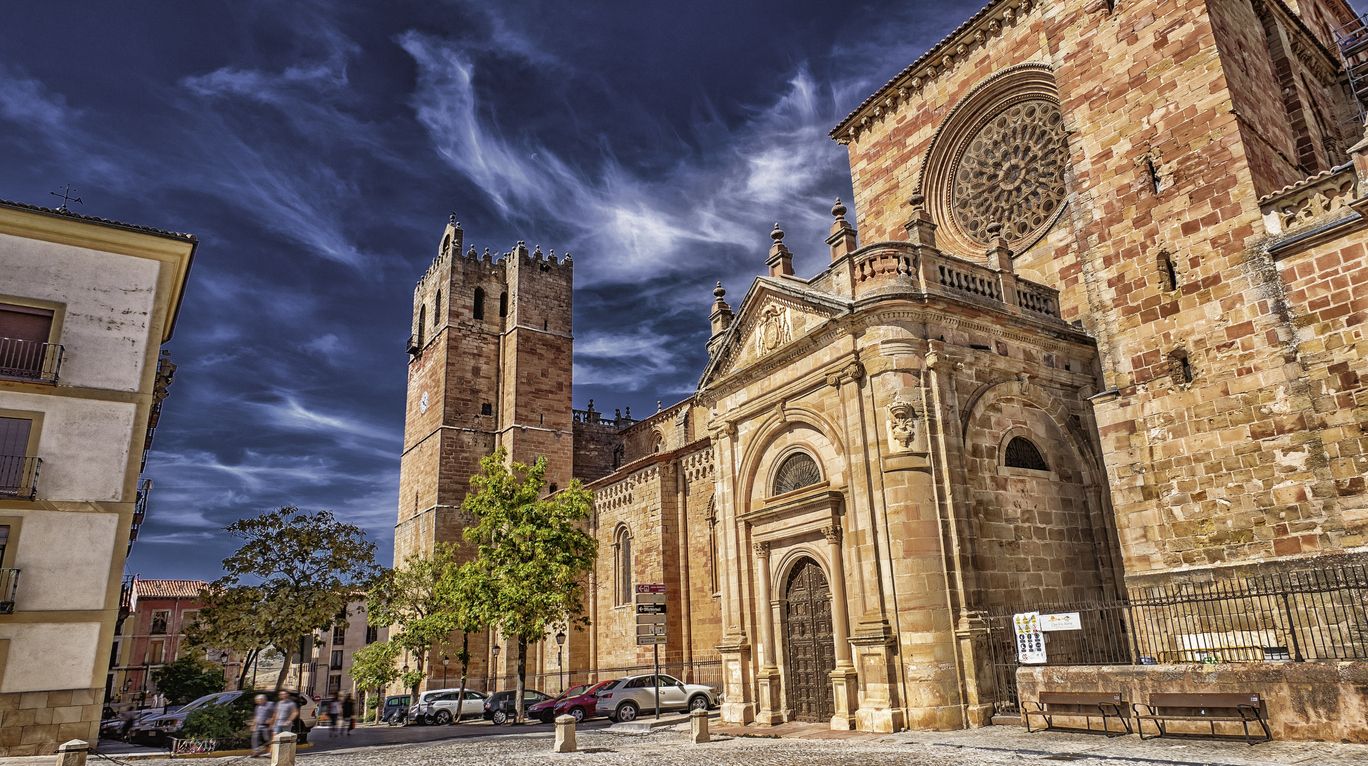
(809,648)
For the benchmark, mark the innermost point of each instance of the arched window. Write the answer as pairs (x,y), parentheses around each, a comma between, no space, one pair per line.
(1021,453)
(658,444)
(797,471)
(622,562)
(503,304)
(479,303)
(437,309)
(422,325)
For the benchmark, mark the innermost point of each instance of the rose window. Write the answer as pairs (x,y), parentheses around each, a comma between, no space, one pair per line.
(1011,173)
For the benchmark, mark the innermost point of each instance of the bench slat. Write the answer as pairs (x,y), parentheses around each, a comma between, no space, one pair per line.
(1159,700)
(1080,698)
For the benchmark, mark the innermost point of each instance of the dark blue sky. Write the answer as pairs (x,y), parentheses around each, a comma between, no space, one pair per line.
(316,150)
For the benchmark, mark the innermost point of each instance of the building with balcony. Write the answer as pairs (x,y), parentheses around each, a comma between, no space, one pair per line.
(85,306)
(153,635)
(327,670)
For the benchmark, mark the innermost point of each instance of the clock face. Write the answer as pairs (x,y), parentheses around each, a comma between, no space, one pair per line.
(423,403)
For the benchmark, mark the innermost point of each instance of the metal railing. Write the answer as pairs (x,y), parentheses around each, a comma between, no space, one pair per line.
(139,512)
(9,586)
(30,360)
(1308,615)
(19,476)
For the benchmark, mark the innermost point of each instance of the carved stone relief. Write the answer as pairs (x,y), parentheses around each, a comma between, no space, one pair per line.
(903,425)
(775,329)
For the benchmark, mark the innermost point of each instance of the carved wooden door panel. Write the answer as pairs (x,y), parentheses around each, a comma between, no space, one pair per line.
(809,649)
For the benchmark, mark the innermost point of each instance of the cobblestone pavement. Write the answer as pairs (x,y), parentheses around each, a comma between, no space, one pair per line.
(993,746)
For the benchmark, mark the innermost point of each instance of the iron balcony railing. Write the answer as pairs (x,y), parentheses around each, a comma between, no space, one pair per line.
(139,512)
(19,476)
(30,360)
(9,586)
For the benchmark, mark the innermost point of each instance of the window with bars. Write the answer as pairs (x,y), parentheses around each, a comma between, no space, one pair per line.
(1022,453)
(797,471)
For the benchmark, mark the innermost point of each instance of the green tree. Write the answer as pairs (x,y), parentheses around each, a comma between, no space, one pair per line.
(373,666)
(293,574)
(532,554)
(186,679)
(459,591)
(232,618)
(419,612)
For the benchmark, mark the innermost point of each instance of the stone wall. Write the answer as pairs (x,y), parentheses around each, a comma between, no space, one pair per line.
(34,723)
(1303,701)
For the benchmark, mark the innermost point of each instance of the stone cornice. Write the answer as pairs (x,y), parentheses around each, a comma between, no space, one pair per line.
(942,57)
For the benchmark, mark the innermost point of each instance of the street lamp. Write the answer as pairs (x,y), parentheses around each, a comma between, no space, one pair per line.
(445,662)
(560,666)
(492,677)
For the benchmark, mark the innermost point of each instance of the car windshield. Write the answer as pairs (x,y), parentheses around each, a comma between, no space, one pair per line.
(574,691)
(207,699)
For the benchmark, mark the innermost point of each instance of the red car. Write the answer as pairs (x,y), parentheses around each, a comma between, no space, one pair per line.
(577,701)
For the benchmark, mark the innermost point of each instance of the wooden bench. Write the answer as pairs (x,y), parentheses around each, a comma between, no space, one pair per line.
(1243,709)
(1089,705)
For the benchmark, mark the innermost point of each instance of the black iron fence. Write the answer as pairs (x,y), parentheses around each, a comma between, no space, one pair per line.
(1295,616)
(707,672)
(19,476)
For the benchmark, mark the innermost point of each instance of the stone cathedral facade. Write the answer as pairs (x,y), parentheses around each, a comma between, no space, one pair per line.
(1096,323)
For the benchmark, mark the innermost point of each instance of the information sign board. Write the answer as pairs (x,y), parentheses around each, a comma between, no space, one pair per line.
(1029,638)
(1061,621)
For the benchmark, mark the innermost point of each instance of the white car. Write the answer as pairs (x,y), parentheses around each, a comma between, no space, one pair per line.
(629,696)
(438,706)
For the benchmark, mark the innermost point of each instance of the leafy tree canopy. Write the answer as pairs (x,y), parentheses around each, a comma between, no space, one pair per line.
(188,678)
(373,665)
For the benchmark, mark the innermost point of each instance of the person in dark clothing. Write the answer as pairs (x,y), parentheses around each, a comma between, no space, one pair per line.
(348,712)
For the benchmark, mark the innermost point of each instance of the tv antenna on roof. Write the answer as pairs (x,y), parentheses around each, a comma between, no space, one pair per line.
(67,198)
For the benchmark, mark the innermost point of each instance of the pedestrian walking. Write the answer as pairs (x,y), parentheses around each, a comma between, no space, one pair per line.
(286,713)
(334,716)
(261,725)
(349,712)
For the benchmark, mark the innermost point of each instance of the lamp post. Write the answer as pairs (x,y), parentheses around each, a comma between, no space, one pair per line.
(446,661)
(560,665)
(494,678)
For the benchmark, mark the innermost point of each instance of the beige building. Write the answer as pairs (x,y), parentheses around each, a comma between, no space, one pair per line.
(1097,347)
(327,670)
(85,305)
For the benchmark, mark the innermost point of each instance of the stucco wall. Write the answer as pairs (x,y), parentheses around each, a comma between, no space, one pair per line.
(64,558)
(43,657)
(108,301)
(71,470)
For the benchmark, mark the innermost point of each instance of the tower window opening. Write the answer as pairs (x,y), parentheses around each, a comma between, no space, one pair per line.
(1022,453)
(422,325)
(486,408)
(544,324)
(503,304)
(1156,183)
(437,308)
(1181,366)
(1168,271)
(479,303)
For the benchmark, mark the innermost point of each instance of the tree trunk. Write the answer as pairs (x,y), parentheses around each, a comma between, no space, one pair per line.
(284,671)
(465,672)
(522,678)
(247,660)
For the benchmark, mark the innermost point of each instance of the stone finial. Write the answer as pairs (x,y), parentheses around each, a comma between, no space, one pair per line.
(999,254)
(921,230)
(780,259)
(72,753)
(721,315)
(660,407)
(842,238)
(451,219)
(471,253)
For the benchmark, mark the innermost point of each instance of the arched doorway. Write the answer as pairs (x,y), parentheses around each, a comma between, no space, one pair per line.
(809,650)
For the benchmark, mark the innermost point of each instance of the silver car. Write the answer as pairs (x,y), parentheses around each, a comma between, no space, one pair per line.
(624,700)
(439,706)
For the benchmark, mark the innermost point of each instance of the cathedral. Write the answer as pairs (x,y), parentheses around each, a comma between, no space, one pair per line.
(1092,324)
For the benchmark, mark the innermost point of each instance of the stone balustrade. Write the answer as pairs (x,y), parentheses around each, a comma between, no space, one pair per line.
(1320,198)
(892,267)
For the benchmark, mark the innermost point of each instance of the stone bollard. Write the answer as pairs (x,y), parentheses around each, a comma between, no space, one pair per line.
(698,726)
(565,734)
(283,749)
(72,753)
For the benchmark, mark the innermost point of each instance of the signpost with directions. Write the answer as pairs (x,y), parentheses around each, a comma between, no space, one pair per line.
(650,620)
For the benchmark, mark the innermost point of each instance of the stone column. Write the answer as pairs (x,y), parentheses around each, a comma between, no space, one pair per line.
(844,680)
(768,678)
(283,749)
(72,753)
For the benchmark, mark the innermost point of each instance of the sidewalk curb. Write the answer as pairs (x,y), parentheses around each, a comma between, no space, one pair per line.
(647,726)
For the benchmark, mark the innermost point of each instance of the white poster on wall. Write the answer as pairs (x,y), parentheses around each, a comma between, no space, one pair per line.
(1030,640)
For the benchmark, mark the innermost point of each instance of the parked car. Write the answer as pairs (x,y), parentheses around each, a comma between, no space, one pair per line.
(627,697)
(113,728)
(161,728)
(438,706)
(501,706)
(577,701)
(395,709)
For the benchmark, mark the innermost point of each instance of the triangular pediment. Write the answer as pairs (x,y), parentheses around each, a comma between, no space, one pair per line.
(774,313)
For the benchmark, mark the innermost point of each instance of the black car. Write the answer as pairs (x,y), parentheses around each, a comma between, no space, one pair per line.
(395,710)
(501,706)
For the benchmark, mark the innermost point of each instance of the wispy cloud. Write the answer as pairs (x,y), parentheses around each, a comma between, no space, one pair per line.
(26,100)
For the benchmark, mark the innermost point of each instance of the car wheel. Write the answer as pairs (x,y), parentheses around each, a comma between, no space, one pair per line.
(443,718)
(500,718)
(577,713)
(698,702)
(627,712)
